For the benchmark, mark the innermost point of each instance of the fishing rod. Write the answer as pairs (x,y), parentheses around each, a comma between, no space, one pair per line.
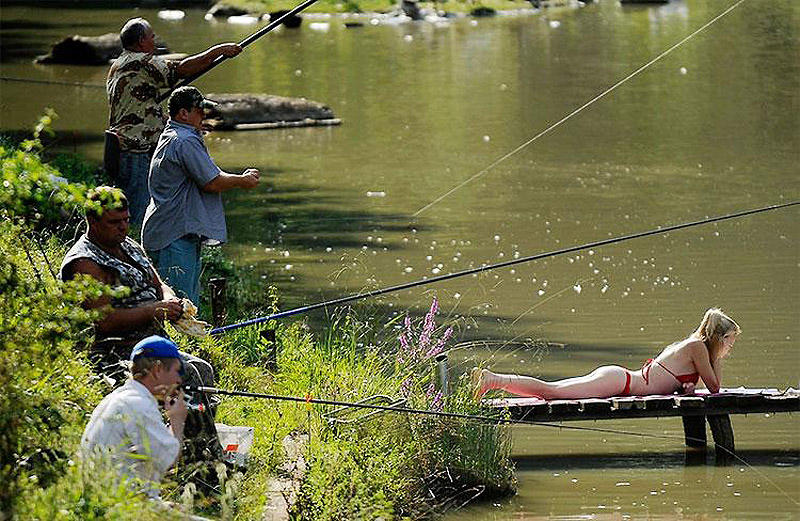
(244,43)
(489,267)
(389,408)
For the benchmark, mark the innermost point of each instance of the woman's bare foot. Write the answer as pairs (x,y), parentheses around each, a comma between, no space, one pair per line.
(479,384)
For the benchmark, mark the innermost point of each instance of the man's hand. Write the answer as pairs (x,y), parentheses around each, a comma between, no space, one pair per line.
(175,407)
(229,49)
(249,178)
(168,309)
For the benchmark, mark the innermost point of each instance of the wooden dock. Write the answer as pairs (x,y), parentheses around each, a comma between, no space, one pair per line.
(695,410)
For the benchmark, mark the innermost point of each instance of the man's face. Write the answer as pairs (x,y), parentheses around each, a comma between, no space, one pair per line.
(195,118)
(148,42)
(169,373)
(111,228)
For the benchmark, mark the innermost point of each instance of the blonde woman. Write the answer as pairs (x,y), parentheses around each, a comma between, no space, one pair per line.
(677,368)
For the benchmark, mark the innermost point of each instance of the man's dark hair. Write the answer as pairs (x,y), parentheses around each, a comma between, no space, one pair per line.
(185,98)
(104,198)
(132,32)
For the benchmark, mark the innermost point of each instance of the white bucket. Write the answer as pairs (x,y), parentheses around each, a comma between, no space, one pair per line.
(236,442)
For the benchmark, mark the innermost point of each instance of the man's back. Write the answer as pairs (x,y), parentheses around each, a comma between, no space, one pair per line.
(132,86)
(127,427)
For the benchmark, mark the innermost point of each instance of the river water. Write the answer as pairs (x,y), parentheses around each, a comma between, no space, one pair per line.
(428,175)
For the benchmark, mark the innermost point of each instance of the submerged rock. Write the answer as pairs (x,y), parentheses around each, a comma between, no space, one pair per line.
(254,111)
(480,12)
(223,10)
(292,22)
(89,50)
(411,9)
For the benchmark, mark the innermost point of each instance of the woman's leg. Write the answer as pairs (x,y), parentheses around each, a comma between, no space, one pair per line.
(603,382)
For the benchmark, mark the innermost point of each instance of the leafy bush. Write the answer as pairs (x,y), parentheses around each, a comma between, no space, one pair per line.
(34,193)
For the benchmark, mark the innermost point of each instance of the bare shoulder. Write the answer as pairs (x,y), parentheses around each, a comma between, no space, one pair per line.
(87,267)
(696,347)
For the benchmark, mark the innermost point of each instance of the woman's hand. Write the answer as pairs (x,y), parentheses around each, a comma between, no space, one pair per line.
(688,387)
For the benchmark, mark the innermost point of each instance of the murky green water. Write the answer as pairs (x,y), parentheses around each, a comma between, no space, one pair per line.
(710,129)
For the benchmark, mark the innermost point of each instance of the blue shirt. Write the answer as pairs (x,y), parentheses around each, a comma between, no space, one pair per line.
(178,205)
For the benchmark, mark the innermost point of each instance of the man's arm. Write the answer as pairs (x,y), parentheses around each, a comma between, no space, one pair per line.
(225,181)
(200,62)
(125,319)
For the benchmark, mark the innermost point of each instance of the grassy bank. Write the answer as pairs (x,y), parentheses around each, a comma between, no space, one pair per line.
(392,466)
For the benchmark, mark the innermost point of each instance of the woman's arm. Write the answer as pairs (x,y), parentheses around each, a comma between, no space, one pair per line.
(702,362)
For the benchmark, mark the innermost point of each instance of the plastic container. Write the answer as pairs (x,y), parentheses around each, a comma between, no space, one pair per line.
(236,442)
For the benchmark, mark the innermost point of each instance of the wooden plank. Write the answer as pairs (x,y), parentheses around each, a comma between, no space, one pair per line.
(595,406)
(658,403)
(689,402)
(536,410)
(785,402)
(719,401)
(622,403)
(751,401)
(558,407)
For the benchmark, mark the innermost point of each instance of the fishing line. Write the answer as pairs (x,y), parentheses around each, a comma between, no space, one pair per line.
(54,82)
(244,43)
(575,112)
(488,267)
(474,417)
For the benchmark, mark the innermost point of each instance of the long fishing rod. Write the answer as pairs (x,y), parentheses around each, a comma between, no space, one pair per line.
(244,43)
(489,267)
(389,408)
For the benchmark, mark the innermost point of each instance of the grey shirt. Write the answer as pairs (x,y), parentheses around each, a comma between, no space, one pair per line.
(178,205)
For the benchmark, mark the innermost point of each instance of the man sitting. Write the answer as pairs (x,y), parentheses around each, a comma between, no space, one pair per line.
(127,425)
(107,254)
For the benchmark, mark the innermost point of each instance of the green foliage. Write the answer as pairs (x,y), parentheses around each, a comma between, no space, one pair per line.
(45,380)
(33,192)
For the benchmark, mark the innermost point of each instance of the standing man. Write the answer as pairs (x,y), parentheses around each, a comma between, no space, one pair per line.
(185,208)
(135,116)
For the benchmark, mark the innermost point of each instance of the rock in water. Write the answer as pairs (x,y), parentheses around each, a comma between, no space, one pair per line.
(292,22)
(89,50)
(222,10)
(265,111)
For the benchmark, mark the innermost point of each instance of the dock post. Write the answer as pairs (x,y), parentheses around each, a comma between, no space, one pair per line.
(217,290)
(441,362)
(268,337)
(694,431)
(722,431)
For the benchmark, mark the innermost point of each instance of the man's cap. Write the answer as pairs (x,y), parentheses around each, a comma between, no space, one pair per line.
(157,347)
(188,98)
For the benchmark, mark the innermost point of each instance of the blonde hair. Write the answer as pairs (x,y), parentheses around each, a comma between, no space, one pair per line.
(713,327)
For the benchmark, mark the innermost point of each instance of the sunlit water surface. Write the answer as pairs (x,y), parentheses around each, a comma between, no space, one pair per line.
(710,129)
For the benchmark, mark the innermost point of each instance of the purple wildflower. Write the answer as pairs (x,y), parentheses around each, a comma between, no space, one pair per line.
(405,388)
(440,344)
(436,402)
(429,324)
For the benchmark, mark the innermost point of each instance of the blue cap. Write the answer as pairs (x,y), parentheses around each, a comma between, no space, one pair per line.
(157,347)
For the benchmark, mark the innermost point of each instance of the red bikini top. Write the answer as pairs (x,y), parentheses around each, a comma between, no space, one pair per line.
(681,378)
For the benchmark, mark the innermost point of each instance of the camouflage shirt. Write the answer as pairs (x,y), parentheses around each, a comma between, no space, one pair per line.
(133,84)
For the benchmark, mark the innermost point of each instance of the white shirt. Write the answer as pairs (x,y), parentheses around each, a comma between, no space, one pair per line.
(128,428)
